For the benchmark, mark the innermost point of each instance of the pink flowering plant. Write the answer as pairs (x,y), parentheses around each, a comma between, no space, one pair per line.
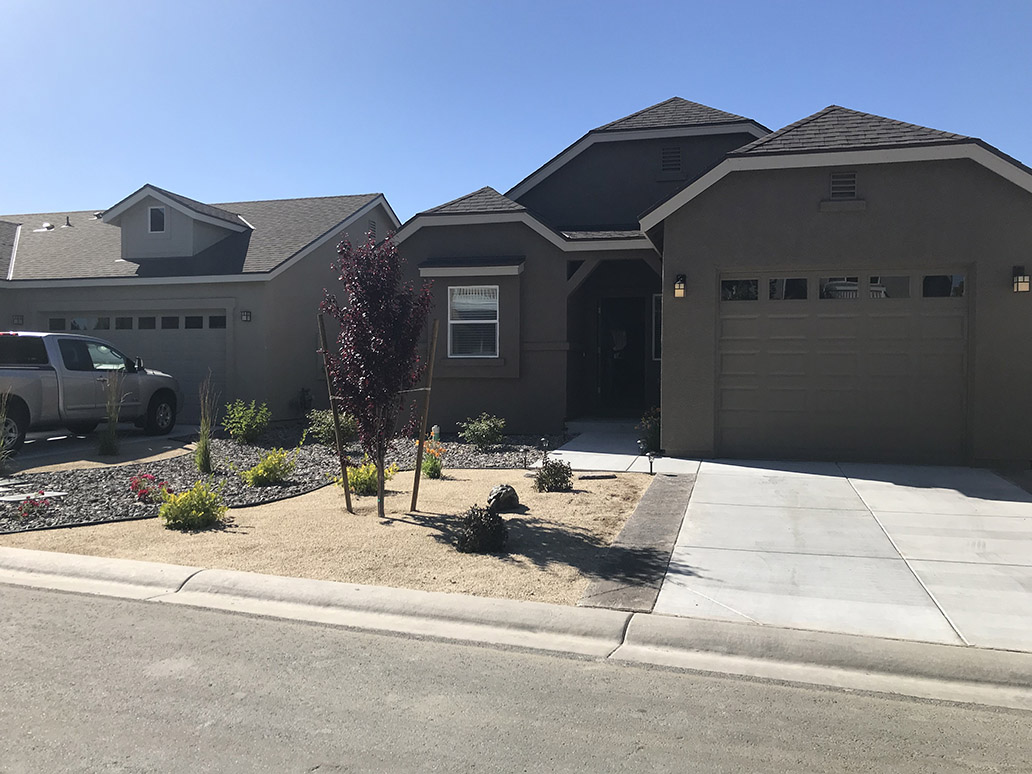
(33,506)
(148,489)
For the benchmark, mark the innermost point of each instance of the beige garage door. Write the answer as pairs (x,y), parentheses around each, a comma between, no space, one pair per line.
(183,343)
(849,366)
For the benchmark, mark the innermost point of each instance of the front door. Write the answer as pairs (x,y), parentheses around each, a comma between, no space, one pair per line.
(623,327)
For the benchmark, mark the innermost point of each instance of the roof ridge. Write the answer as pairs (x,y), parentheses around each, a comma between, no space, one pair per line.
(637,113)
(483,190)
(298,199)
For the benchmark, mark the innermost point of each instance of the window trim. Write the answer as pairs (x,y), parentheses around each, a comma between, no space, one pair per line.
(164,219)
(496,322)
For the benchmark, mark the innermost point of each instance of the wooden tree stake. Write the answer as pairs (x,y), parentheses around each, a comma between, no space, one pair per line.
(426,412)
(336,414)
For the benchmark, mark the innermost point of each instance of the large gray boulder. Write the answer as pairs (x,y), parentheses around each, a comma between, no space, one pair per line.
(503,498)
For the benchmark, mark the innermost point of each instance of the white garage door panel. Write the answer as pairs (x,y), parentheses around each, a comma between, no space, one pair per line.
(843,378)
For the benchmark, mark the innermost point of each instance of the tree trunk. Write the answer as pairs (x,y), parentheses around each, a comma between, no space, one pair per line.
(380,457)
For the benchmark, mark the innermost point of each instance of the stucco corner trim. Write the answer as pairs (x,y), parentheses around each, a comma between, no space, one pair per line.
(470,271)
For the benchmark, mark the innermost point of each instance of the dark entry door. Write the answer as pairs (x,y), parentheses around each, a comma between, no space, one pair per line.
(622,352)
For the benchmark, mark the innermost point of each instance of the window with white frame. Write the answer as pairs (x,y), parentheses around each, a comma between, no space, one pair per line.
(156,218)
(473,321)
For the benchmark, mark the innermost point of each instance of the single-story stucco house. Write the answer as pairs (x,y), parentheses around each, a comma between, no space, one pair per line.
(191,287)
(847,287)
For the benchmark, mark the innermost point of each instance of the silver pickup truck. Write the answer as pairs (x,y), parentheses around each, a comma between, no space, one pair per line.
(50,380)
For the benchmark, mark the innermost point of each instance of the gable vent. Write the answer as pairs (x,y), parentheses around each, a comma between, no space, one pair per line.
(843,185)
(670,160)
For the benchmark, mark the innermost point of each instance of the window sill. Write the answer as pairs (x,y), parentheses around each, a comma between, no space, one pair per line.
(845,205)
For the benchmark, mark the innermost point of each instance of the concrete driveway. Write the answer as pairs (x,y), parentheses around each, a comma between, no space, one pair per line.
(919,553)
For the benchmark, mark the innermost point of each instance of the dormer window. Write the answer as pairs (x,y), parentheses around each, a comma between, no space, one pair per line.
(156,216)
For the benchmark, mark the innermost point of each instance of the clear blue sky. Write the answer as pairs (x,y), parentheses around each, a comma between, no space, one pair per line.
(225,100)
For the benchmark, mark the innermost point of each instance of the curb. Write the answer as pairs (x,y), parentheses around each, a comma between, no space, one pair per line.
(127,578)
(678,641)
(533,625)
(953,672)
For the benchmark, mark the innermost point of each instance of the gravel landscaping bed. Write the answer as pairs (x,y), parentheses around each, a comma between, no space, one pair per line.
(96,495)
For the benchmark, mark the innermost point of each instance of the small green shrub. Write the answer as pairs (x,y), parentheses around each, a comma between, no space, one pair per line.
(648,431)
(245,422)
(320,424)
(273,468)
(200,507)
(362,479)
(483,432)
(482,532)
(554,476)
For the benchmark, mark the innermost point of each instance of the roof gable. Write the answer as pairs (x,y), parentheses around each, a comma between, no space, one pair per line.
(673,112)
(675,117)
(484,200)
(191,207)
(839,128)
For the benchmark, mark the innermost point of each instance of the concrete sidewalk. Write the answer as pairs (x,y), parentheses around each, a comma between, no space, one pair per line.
(943,672)
(917,553)
(612,445)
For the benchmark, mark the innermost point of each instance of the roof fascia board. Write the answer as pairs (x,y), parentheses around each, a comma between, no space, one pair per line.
(14,251)
(119,209)
(471,271)
(476,219)
(209,278)
(967,150)
(585,142)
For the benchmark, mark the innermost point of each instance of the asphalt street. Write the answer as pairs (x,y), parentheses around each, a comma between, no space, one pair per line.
(93,684)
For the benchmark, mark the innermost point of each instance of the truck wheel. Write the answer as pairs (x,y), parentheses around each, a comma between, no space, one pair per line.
(161,414)
(16,424)
(83,428)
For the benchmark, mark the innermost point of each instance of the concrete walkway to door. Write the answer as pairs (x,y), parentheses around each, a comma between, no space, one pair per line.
(919,553)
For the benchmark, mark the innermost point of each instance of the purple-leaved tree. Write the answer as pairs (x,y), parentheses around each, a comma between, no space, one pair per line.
(380,320)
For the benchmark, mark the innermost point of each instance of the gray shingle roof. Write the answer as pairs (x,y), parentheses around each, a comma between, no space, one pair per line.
(7,232)
(201,207)
(673,112)
(486,200)
(838,128)
(91,248)
(576,236)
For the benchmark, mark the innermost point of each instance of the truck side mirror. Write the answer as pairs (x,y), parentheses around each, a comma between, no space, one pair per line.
(139,364)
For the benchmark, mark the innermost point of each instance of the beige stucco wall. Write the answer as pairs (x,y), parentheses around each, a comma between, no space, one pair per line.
(927,215)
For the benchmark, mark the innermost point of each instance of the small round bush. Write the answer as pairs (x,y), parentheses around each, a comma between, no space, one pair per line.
(199,507)
(554,476)
(362,479)
(320,424)
(245,422)
(482,532)
(483,432)
(273,468)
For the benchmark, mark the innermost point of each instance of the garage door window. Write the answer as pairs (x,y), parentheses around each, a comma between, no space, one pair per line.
(193,321)
(787,289)
(889,287)
(840,287)
(739,290)
(169,323)
(146,323)
(943,286)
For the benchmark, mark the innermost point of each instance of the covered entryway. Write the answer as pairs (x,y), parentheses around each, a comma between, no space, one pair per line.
(837,365)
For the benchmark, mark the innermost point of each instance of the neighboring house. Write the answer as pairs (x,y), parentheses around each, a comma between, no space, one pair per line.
(548,296)
(189,287)
(849,288)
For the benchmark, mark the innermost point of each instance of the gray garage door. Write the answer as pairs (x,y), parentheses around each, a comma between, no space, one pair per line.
(183,343)
(854,366)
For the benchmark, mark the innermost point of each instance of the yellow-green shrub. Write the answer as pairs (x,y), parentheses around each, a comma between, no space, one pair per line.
(274,468)
(200,507)
(362,479)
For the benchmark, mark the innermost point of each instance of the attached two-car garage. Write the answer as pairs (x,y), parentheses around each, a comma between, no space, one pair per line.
(843,366)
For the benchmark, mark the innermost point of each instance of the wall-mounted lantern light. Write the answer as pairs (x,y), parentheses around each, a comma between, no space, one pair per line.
(17,319)
(1021,280)
(679,286)
(245,316)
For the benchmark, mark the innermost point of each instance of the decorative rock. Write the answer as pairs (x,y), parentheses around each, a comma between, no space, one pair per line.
(503,498)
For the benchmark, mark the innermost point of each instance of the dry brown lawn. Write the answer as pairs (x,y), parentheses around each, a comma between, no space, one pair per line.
(555,543)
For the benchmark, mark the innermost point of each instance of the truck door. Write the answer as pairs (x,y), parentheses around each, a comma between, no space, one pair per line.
(109,363)
(80,389)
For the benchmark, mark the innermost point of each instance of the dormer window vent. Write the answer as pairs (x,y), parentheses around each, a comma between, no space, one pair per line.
(843,186)
(670,159)
(156,217)
(372,228)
